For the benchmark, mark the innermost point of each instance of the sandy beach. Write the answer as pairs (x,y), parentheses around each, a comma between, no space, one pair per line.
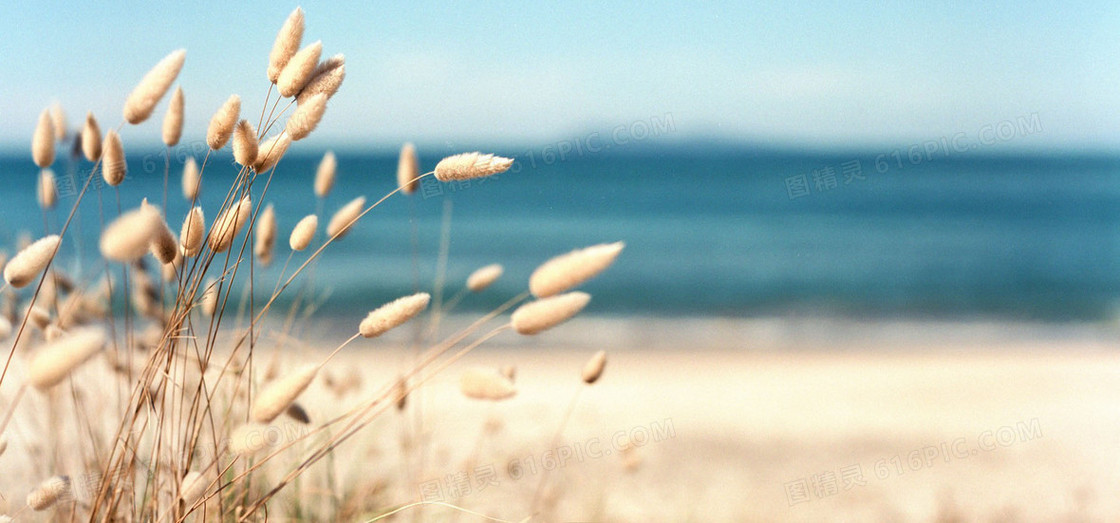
(977,422)
(769,420)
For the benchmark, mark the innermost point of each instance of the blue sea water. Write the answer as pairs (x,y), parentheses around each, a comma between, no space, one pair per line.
(719,232)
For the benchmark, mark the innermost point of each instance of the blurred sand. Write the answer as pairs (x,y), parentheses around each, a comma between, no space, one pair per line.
(761,420)
(979,422)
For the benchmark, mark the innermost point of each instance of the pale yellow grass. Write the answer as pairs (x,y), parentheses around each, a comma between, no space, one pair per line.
(747,408)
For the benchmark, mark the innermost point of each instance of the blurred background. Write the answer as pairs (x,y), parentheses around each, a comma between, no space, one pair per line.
(891,161)
(853,233)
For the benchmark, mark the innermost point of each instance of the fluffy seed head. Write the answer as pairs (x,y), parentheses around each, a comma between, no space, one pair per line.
(343,220)
(408,169)
(58,122)
(143,99)
(286,44)
(113,166)
(307,116)
(48,492)
(265,233)
(190,238)
(486,384)
(228,224)
(480,279)
(91,139)
(221,124)
(538,316)
(5,331)
(192,488)
(245,143)
(297,72)
(164,246)
(470,165)
(326,79)
(594,367)
(249,439)
(191,179)
(324,175)
(54,361)
(572,269)
(42,142)
(30,261)
(210,298)
(276,397)
(303,232)
(46,190)
(173,120)
(126,239)
(393,314)
(271,151)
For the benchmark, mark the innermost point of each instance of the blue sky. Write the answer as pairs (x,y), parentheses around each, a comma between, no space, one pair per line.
(821,74)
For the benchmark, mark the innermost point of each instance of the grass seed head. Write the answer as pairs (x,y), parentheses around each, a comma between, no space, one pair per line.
(303,232)
(569,270)
(470,165)
(91,139)
(42,142)
(144,97)
(286,44)
(543,314)
(29,262)
(221,124)
(173,120)
(393,314)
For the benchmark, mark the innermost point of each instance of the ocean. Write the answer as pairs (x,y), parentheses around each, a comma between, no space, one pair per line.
(721,232)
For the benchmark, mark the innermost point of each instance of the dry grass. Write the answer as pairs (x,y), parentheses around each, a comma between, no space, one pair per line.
(146,377)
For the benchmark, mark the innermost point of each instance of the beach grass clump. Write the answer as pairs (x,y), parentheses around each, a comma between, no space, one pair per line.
(148,369)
